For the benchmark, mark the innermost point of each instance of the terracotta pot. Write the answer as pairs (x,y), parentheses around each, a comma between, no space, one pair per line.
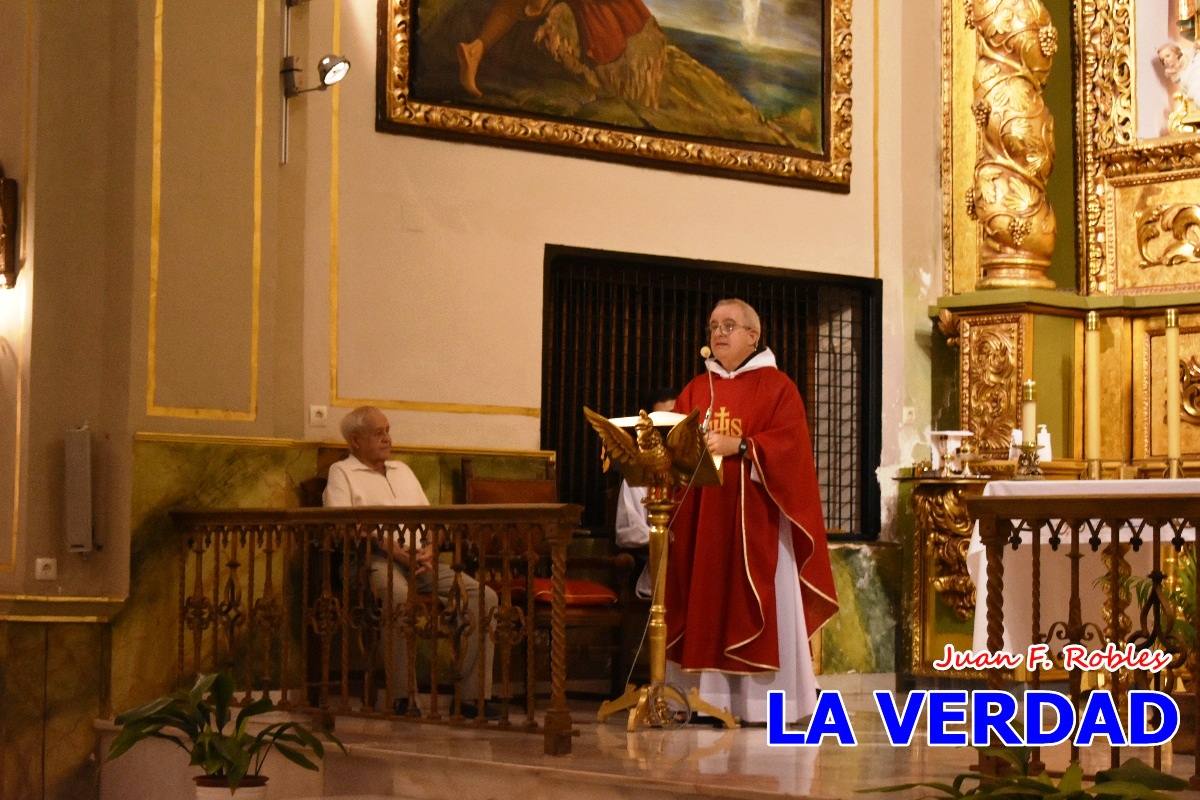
(252,787)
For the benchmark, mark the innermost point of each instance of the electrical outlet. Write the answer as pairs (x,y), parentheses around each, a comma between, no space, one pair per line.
(318,416)
(908,415)
(45,569)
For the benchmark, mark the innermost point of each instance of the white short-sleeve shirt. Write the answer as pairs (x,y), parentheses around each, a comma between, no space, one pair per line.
(353,483)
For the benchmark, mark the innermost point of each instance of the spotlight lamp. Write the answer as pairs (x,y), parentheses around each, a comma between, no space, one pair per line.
(8,232)
(330,69)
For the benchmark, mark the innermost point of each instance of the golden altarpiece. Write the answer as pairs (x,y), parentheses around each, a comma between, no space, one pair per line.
(1068,186)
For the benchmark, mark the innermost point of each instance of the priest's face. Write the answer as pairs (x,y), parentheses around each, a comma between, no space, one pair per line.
(731,340)
(372,444)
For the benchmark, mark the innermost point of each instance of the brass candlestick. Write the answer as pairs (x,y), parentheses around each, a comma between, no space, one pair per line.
(1028,464)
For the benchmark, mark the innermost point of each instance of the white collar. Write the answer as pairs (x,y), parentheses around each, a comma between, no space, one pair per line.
(761,359)
(356,463)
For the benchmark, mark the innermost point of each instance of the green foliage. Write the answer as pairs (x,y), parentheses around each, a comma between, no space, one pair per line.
(1179,596)
(198,721)
(1133,779)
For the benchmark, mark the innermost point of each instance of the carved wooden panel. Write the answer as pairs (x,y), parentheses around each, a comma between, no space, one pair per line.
(1154,245)
(1149,386)
(992,364)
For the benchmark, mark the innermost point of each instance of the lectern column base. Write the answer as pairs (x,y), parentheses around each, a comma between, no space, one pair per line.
(660,706)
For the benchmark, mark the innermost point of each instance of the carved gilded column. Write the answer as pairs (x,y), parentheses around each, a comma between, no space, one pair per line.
(1016,45)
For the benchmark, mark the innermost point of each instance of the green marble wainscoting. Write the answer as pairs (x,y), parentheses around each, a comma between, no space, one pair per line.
(166,475)
(861,637)
(53,679)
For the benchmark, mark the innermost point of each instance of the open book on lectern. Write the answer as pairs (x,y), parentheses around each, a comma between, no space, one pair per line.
(679,439)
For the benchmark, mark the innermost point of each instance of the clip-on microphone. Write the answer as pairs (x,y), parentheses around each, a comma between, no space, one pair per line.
(706,353)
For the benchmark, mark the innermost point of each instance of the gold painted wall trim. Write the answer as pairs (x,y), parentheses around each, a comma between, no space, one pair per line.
(187,412)
(440,408)
(58,609)
(266,441)
(10,565)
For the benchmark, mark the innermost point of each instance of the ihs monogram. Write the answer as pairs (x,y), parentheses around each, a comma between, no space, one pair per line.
(723,423)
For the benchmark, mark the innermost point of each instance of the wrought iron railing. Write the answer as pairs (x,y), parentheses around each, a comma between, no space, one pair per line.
(1165,524)
(284,598)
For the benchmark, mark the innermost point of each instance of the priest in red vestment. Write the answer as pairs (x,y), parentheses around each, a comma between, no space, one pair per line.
(749,578)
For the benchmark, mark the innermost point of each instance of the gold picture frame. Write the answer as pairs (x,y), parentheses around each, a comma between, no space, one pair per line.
(826,166)
(1137,194)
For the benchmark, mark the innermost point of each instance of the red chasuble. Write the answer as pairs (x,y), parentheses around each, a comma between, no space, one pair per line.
(722,559)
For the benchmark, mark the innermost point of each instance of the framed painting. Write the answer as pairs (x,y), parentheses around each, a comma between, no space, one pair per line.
(756,89)
(1138,117)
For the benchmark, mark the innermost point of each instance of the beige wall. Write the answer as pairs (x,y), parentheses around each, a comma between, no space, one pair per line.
(440,245)
(437,247)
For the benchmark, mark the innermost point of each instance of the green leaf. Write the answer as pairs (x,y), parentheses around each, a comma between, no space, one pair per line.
(295,756)
(1126,789)
(1072,779)
(903,787)
(153,707)
(1137,771)
(1017,757)
(222,696)
(259,706)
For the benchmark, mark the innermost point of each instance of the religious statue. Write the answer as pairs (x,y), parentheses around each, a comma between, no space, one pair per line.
(1182,68)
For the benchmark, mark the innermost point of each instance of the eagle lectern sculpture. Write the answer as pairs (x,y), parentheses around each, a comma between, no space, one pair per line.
(681,460)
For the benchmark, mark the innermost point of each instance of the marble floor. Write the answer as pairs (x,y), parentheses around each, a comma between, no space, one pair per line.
(418,761)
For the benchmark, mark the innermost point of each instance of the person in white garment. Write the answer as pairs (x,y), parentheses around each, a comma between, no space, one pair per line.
(632,527)
(367,477)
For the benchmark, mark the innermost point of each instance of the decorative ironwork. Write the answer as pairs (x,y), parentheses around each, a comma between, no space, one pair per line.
(1001,518)
(233,575)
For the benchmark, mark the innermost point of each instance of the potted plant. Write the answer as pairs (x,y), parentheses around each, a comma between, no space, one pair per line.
(198,721)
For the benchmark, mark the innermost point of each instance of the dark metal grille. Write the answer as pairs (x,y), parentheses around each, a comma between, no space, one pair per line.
(835,391)
(618,325)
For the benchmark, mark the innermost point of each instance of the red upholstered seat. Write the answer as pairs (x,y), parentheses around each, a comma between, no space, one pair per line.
(590,603)
(580,592)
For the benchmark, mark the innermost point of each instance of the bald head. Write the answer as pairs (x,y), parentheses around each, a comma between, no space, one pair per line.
(369,435)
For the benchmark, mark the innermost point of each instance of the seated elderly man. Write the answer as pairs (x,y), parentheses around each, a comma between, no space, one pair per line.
(368,478)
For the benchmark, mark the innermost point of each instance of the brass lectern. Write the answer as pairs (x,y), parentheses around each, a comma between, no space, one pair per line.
(681,460)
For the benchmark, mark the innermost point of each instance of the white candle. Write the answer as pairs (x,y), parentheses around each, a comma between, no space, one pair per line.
(1028,414)
(1171,379)
(1091,386)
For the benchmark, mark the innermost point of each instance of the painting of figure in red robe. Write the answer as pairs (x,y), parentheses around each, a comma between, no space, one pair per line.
(750,73)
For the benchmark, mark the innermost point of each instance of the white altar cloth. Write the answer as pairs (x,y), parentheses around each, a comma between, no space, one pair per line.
(1056,574)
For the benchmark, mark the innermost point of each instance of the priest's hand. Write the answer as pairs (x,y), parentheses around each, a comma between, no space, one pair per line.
(721,445)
